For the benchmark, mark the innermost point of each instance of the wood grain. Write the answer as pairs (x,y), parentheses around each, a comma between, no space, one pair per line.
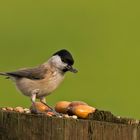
(20,126)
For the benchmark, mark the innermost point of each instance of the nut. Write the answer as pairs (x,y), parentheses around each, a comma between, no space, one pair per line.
(19,109)
(74,117)
(40,107)
(4,109)
(26,110)
(82,111)
(9,108)
(74,104)
(66,116)
(62,107)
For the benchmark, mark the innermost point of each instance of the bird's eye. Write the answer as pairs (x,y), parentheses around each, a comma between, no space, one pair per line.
(63,60)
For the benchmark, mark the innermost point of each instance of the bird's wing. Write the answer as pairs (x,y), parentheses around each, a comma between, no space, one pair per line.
(31,73)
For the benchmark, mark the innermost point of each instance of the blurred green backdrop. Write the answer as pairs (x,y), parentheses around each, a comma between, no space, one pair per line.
(102,35)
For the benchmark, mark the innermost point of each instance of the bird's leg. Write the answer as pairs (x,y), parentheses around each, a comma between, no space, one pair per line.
(43,100)
(34,94)
(33,99)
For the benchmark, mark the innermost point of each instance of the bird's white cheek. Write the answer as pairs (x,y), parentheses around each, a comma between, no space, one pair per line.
(56,61)
(61,65)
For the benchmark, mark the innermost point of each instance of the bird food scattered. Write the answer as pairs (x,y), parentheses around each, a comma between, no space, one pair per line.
(78,108)
(62,109)
(40,107)
(19,109)
(82,111)
(16,109)
(71,110)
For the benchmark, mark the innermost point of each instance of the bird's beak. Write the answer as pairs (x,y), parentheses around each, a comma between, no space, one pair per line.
(71,69)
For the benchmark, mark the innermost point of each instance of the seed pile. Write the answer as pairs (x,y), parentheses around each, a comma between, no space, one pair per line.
(78,108)
(62,109)
(17,109)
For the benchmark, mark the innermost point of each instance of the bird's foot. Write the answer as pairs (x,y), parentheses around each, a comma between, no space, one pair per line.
(51,110)
(34,109)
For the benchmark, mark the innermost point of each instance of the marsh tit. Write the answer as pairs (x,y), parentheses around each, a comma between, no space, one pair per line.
(42,80)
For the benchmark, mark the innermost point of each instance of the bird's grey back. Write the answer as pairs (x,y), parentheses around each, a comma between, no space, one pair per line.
(36,73)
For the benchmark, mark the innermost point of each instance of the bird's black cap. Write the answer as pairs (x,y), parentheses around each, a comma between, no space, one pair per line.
(65,56)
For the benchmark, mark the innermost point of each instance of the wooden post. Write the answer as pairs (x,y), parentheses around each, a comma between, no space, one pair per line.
(20,126)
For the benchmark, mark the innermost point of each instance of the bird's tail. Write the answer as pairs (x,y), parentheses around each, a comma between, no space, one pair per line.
(2,73)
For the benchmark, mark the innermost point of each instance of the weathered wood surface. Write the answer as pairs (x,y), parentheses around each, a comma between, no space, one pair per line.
(17,126)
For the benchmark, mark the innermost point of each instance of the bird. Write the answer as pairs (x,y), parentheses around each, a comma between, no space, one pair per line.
(40,81)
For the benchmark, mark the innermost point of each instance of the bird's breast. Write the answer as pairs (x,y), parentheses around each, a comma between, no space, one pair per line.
(45,86)
(50,83)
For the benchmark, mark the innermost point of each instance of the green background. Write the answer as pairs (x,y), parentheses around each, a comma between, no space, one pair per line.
(103,37)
